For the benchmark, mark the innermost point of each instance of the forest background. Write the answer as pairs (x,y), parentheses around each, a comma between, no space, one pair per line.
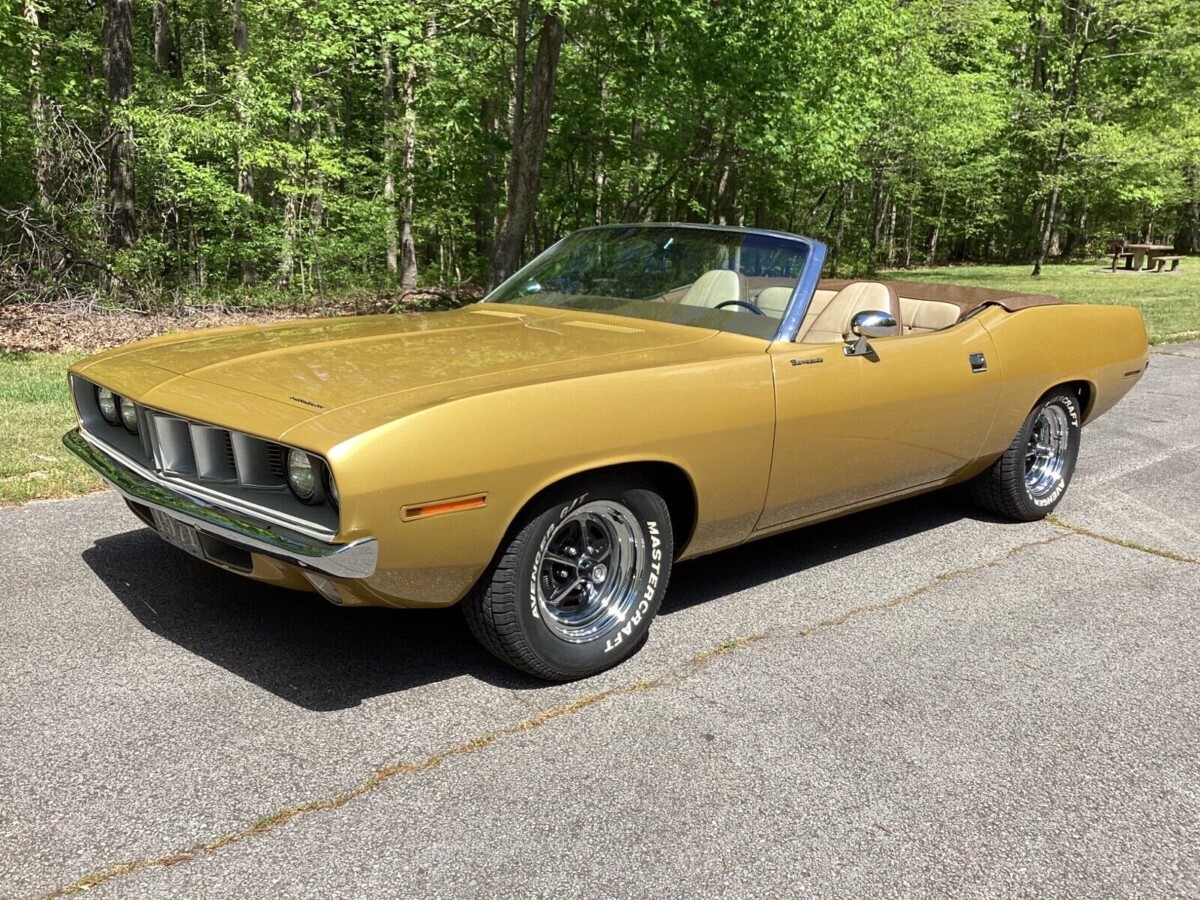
(159,152)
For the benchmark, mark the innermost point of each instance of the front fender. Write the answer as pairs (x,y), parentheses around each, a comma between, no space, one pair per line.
(714,421)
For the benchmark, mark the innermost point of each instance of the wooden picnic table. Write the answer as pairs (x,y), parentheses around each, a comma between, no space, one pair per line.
(1145,253)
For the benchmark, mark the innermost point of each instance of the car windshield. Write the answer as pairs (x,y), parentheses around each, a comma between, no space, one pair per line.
(730,280)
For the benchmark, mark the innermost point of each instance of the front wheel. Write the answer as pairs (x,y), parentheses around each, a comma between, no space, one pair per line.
(574,589)
(1030,479)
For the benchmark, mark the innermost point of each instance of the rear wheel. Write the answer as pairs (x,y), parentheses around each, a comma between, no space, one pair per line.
(574,589)
(1030,479)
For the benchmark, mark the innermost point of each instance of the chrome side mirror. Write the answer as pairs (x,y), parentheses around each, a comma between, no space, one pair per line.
(870,323)
(873,324)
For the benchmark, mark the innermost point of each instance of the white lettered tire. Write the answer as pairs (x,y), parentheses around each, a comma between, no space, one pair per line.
(577,583)
(1030,479)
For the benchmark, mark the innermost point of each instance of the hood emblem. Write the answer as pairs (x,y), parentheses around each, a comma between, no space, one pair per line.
(311,403)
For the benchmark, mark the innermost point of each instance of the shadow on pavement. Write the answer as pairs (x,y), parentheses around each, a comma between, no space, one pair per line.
(321,657)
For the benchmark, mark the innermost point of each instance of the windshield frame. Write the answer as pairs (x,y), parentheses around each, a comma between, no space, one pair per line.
(802,294)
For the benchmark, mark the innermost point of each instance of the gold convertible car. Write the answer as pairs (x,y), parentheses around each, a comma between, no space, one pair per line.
(635,396)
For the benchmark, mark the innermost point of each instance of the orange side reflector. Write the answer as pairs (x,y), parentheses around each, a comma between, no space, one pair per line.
(425,510)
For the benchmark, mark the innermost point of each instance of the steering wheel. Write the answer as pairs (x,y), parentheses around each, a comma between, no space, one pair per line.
(742,303)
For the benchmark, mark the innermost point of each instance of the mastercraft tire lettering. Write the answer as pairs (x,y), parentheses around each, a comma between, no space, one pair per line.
(593,565)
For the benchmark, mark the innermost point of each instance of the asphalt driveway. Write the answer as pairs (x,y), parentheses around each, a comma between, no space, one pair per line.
(913,702)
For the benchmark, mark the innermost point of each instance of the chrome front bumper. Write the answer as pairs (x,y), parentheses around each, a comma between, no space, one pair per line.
(356,559)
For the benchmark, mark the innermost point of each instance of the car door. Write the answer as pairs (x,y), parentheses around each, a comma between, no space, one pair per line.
(853,429)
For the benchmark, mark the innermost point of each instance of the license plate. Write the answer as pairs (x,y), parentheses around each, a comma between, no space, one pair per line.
(178,533)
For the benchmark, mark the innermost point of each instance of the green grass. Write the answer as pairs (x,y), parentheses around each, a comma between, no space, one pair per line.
(1170,302)
(35,411)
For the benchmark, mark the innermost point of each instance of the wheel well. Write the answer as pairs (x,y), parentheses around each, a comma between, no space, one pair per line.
(670,481)
(1084,391)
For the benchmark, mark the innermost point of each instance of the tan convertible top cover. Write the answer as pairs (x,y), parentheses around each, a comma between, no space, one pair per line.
(967,299)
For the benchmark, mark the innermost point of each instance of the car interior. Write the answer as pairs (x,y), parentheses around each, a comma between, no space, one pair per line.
(831,311)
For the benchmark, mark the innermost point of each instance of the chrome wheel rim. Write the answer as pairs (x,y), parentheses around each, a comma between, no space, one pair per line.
(1046,453)
(589,571)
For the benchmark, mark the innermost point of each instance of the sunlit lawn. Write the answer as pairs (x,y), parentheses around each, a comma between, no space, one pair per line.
(1170,302)
(35,411)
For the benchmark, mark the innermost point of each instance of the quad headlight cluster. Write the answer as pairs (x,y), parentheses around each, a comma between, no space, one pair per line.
(306,475)
(117,410)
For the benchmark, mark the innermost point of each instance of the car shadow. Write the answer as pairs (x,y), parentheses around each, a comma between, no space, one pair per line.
(321,657)
(792,552)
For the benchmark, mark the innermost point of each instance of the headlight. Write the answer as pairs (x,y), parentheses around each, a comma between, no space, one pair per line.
(301,474)
(129,415)
(107,401)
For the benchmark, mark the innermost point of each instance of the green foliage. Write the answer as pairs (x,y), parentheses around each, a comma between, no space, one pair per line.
(901,133)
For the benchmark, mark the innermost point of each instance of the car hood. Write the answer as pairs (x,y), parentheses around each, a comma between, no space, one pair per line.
(325,364)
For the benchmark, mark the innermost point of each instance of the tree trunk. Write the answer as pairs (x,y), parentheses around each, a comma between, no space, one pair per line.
(291,202)
(891,238)
(1047,230)
(486,226)
(408,248)
(937,228)
(725,198)
(389,159)
(637,131)
(1193,181)
(37,109)
(908,231)
(166,56)
(119,77)
(245,178)
(529,145)
(878,208)
(1081,22)
(845,199)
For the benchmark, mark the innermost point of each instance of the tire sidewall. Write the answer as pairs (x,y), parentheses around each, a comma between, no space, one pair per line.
(1069,403)
(580,659)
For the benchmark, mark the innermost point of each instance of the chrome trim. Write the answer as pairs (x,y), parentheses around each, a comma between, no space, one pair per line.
(1046,451)
(356,559)
(806,287)
(874,323)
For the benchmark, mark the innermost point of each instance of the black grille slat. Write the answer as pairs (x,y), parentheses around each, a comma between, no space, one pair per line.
(275,461)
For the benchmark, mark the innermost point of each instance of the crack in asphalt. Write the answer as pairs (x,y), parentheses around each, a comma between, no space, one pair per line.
(1173,353)
(678,676)
(1120,542)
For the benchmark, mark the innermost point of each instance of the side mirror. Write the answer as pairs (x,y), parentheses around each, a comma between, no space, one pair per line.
(874,324)
(870,323)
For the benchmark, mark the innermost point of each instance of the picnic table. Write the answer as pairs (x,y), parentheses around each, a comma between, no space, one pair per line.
(1145,253)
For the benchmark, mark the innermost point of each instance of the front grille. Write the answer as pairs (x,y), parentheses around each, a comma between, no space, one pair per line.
(237,465)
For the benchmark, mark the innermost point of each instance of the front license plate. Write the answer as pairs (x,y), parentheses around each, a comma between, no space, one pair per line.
(178,533)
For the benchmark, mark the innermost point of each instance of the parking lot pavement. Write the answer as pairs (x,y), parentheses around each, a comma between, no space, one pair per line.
(915,701)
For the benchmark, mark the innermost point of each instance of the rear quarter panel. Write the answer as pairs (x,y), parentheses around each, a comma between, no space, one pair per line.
(1044,346)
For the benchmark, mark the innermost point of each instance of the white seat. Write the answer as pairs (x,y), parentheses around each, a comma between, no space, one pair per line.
(714,287)
(774,300)
(832,326)
(921,316)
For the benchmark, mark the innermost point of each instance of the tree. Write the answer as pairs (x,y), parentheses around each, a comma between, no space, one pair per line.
(119,76)
(529,131)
